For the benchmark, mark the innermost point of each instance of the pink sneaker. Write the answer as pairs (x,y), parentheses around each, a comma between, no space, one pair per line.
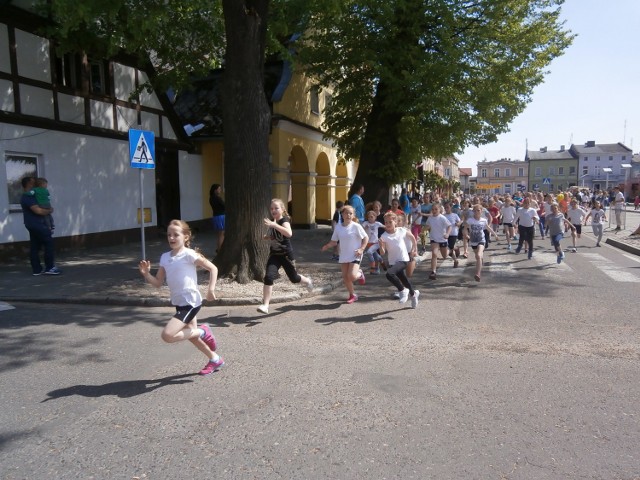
(212,366)
(361,280)
(208,338)
(352,298)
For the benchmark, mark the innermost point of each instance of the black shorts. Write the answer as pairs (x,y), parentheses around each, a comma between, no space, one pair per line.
(578,228)
(508,224)
(451,241)
(186,313)
(441,244)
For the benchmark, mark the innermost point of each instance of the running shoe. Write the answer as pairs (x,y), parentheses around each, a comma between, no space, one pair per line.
(530,255)
(508,247)
(35,274)
(212,366)
(477,278)
(208,338)
(396,294)
(404,296)
(361,280)
(455,263)
(432,275)
(53,271)
(598,244)
(517,250)
(414,299)
(352,298)
(559,259)
(310,285)
(263,309)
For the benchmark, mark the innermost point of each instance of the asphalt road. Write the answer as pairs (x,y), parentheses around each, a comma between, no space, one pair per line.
(531,374)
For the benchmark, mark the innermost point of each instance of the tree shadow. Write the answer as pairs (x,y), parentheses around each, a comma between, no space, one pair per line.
(224,320)
(366,318)
(123,389)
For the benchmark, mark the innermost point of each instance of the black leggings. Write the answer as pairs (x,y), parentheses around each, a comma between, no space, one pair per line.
(396,275)
(525,234)
(287,263)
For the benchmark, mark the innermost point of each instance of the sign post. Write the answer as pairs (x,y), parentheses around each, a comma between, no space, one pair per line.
(142,154)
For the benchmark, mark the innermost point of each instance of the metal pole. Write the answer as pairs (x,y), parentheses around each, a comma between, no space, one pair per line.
(144,255)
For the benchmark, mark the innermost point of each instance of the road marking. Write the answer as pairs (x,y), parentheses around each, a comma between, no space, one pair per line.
(609,269)
(6,306)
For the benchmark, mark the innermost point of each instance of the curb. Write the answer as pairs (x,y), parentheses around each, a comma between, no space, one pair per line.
(623,246)
(163,302)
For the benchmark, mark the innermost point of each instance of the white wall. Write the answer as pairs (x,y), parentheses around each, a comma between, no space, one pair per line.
(93,188)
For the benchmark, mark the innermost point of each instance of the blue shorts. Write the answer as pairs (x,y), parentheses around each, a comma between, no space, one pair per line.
(555,240)
(218,223)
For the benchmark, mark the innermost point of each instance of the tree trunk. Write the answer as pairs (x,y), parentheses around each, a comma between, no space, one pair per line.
(246,120)
(380,150)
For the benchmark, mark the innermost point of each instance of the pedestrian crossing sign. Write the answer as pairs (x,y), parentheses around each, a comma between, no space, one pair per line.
(142,149)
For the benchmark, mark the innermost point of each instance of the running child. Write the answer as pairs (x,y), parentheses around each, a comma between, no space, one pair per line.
(597,216)
(280,253)
(392,241)
(526,218)
(508,212)
(415,218)
(455,221)
(353,242)
(555,224)
(371,226)
(439,230)
(413,258)
(178,268)
(476,227)
(576,215)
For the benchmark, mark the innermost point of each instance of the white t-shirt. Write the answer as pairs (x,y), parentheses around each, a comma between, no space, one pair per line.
(525,216)
(416,217)
(395,246)
(182,277)
(596,216)
(619,201)
(372,230)
(439,225)
(350,238)
(508,213)
(576,215)
(453,220)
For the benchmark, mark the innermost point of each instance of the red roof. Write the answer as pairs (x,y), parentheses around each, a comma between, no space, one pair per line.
(466,171)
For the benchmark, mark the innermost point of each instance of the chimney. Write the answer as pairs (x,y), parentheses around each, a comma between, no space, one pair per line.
(543,150)
(562,148)
(590,143)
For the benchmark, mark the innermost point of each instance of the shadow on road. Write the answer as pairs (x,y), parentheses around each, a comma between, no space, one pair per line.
(124,389)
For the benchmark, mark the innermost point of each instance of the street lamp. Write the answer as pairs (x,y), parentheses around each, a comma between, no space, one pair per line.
(582,178)
(627,168)
(607,170)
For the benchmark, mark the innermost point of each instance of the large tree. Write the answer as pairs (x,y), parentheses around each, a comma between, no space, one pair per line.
(183,39)
(418,78)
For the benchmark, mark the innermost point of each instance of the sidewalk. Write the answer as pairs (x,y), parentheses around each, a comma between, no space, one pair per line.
(109,275)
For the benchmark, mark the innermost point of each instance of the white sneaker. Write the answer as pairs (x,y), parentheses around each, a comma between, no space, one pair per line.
(414,299)
(396,294)
(404,295)
(263,309)
(310,285)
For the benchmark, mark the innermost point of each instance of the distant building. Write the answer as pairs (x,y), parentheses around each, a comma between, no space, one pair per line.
(552,170)
(593,160)
(465,177)
(504,176)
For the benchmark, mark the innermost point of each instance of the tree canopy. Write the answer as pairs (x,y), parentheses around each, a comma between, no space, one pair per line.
(426,78)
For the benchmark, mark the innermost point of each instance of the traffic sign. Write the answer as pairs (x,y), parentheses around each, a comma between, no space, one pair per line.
(142,149)
(546,181)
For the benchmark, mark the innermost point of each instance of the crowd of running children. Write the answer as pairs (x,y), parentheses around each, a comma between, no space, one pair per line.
(451,228)
(400,232)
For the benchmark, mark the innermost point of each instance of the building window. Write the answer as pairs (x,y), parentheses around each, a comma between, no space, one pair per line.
(97,78)
(483,173)
(597,159)
(327,101)
(496,172)
(611,158)
(572,170)
(17,167)
(447,173)
(585,170)
(520,171)
(552,171)
(597,171)
(315,100)
(560,170)
(624,157)
(507,172)
(69,71)
(538,172)
(586,159)
(507,188)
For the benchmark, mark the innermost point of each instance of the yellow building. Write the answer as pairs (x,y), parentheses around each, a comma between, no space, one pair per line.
(306,169)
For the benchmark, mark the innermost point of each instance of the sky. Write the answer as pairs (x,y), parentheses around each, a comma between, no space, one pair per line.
(592,92)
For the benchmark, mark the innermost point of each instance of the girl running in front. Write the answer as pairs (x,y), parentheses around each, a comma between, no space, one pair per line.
(371,226)
(576,216)
(353,242)
(555,224)
(455,221)
(178,268)
(475,227)
(392,241)
(281,253)
(508,212)
(597,216)
(439,230)
(526,218)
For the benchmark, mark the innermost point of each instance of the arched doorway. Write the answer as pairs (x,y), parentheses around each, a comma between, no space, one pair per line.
(302,204)
(342,181)
(324,198)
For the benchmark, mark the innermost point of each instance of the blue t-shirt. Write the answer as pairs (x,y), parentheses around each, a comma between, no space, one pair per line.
(358,205)
(31,219)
